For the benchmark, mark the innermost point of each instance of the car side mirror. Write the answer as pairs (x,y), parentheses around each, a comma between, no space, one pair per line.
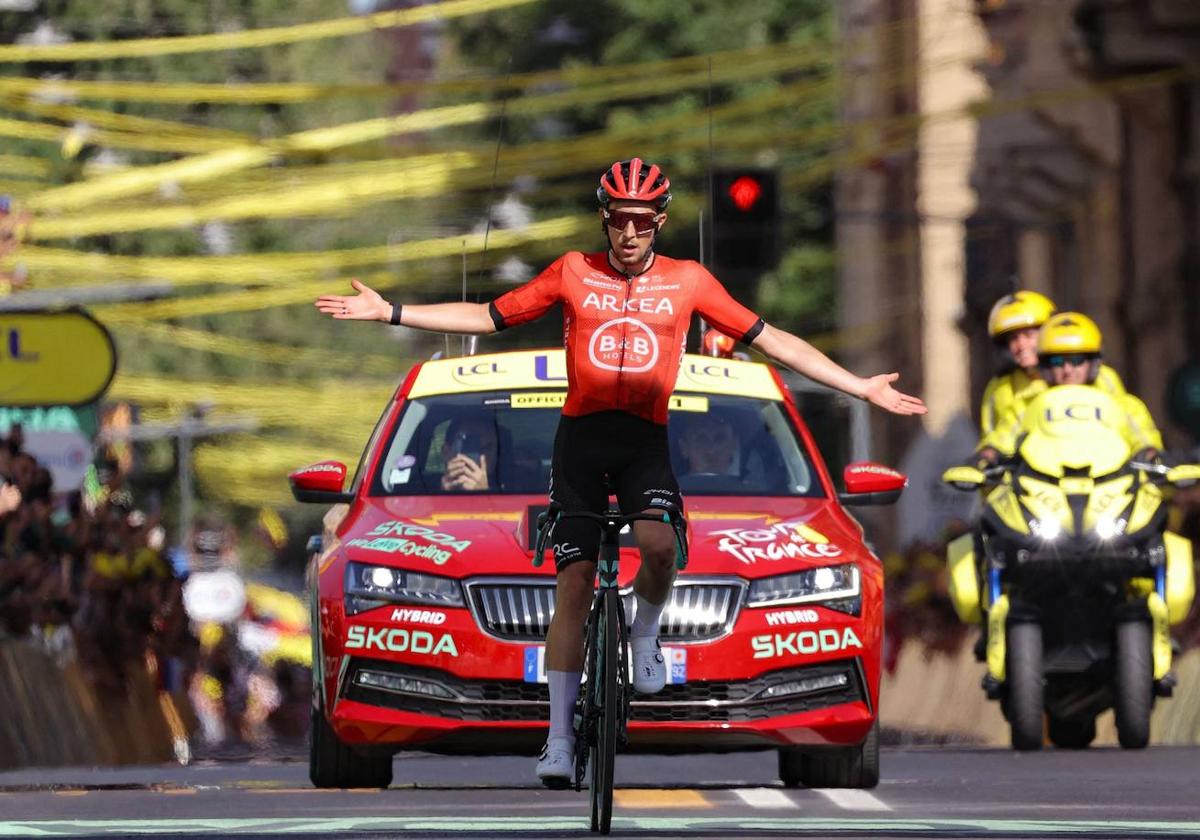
(964,477)
(1184,475)
(321,483)
(868,483)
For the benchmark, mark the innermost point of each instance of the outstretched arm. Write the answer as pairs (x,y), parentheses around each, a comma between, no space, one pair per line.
(369,305)
(802,357)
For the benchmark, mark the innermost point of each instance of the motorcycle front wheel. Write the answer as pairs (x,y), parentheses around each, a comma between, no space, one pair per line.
(1025,698)
(1133,692)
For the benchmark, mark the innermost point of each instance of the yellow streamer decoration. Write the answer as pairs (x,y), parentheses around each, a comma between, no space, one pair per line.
(285,269)
(324,408)
(264,351)
(273,36)
(216,137)
(115,139)
(294,293)
(223,163)
(818,54)
(24,166)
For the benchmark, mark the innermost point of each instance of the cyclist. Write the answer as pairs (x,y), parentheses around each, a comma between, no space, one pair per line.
(626,313)
(1014,324)
(1069,353)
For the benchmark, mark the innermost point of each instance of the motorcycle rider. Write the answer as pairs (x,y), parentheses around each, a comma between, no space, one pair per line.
(1013,325)
(1069,353)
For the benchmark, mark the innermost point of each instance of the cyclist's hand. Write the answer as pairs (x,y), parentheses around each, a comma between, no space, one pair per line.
(464,474)
(879,391)
(367,305)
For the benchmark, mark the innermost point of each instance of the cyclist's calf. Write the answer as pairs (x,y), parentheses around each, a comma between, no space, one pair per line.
(573,599)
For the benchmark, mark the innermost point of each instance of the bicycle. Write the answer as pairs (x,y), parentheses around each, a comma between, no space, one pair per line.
(604,715)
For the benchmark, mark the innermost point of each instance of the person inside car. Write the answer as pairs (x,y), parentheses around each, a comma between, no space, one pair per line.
(469,452)
(709,446)
(626,314)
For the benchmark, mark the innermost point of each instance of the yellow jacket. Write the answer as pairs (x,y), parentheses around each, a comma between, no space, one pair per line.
(1012,391)
(1132,420)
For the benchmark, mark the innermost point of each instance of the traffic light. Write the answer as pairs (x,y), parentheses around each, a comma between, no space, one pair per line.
(745,227)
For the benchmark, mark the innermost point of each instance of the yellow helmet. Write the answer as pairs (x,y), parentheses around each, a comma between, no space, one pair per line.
(1069,332)
(1019,311)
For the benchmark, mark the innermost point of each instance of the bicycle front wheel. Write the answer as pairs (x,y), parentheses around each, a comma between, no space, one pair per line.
(609,708)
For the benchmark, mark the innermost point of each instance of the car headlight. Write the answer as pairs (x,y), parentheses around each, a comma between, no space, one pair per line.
(836,587)
(1108,528)
(368,587)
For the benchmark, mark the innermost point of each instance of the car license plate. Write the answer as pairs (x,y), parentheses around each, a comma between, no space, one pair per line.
(676,658)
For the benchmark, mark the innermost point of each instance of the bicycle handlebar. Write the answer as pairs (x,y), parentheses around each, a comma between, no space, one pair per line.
(608,521)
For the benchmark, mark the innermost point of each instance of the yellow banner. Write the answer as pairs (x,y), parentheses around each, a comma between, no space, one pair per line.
(272,36)
(547,368)
(556,399)
(547,399)
(58,358)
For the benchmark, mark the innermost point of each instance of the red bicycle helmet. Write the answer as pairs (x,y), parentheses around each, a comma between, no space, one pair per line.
(634,180)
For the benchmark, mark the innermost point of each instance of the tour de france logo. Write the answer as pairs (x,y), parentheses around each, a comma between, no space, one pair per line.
(630,350)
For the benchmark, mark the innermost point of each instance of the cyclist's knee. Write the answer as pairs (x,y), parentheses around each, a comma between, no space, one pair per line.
(575,586)
(659,555)
(656,544)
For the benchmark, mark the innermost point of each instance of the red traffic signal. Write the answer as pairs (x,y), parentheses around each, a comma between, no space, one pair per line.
(745,192)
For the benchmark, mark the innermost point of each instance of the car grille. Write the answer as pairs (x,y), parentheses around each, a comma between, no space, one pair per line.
(521,609)
(700,701)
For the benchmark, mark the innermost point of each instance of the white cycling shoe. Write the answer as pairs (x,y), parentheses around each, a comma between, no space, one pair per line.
(556,764)
(649,667)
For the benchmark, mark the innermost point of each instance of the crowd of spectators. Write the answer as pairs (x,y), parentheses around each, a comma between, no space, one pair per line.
(84,573)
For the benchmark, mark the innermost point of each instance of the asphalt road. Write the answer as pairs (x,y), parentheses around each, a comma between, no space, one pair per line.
(928,792)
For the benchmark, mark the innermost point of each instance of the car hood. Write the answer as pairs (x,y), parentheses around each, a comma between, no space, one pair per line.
(465,536)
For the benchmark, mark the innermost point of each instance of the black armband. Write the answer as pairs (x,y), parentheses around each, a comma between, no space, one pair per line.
(753,332)
(397,308)
(497,317)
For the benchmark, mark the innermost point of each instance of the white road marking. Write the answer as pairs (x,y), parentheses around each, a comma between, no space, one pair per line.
(765,798)
(854,800)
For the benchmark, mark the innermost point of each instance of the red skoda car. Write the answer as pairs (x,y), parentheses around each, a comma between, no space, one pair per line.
(429,618)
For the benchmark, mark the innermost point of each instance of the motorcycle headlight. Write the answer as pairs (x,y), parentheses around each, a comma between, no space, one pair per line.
(1048,529)
(368,587)
(1108,528)
(836,587)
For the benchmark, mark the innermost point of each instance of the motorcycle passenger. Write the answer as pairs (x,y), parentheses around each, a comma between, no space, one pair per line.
(1069,353)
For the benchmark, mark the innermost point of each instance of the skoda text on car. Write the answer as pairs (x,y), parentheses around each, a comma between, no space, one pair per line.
(429,617)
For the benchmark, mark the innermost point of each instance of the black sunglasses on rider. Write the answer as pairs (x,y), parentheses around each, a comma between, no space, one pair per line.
(1073,359)
(643,223)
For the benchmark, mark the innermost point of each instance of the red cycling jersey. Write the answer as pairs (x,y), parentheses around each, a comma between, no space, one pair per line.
(625,337)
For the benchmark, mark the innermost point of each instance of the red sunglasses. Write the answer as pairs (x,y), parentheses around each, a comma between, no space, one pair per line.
(643,223)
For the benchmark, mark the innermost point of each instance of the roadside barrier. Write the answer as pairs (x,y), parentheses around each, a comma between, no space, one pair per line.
(55,716)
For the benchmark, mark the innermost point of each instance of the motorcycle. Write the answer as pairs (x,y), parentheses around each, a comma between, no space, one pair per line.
(1073,574)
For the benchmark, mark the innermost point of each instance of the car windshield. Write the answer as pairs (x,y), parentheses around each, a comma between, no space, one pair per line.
(502,442)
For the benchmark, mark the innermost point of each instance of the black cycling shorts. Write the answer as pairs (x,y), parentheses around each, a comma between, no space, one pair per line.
(602,453)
